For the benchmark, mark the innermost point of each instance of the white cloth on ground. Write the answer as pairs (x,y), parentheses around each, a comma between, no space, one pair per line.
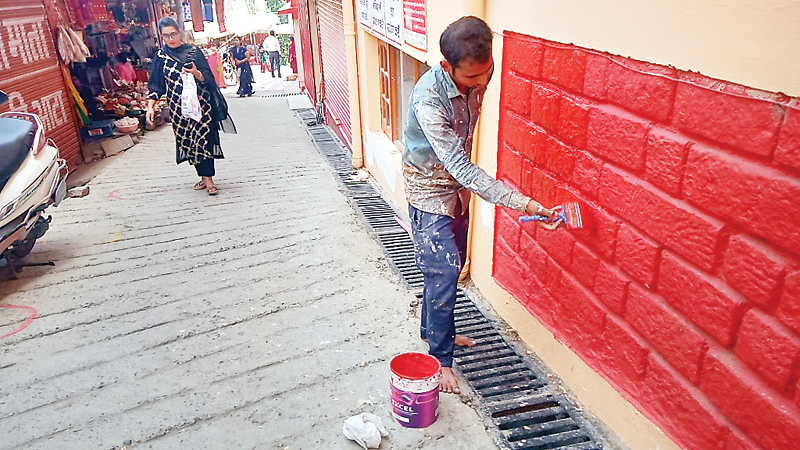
(366,429)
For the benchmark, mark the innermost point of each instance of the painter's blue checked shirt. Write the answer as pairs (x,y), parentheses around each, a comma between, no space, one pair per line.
(438,141)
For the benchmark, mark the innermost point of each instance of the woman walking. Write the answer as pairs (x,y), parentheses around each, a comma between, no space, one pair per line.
(241,57)
(292,55)
(196,141)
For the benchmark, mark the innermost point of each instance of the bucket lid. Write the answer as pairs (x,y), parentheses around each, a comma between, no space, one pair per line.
(414,366)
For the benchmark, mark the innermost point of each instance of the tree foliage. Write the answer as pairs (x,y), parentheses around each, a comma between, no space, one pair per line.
(274,5)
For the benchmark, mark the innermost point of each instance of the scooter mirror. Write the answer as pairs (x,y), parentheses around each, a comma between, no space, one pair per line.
(3,98)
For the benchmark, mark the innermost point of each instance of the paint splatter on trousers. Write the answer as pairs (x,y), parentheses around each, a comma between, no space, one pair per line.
(440,250)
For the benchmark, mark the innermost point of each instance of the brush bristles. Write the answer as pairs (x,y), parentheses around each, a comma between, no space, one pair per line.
(572,212)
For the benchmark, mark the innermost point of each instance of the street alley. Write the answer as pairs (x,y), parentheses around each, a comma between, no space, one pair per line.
(258,319)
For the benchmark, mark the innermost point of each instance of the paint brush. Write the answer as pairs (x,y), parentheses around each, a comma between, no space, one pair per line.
(569,215)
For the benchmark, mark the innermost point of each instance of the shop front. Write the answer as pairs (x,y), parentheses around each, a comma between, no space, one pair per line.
(32,76)
(82,67)
(110,80)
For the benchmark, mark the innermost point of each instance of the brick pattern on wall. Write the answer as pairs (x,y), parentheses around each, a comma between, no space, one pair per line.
(684,289)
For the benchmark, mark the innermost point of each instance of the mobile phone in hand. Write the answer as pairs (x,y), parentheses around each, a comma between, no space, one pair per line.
(188,65)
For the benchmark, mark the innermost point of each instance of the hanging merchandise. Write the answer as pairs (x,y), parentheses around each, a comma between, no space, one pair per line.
(220,6)
(187,10)
(96,10)
(208,11)
(71,47)
(197,15)
(77,13)
(129,11)
(83,113)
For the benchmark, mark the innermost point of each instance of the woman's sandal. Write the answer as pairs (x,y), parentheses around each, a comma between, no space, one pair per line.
(213,190)
(200,185)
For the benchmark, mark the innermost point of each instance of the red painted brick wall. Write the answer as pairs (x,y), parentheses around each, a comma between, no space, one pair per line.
(684,290)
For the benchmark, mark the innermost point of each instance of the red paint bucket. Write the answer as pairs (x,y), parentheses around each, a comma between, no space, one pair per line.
(415,389)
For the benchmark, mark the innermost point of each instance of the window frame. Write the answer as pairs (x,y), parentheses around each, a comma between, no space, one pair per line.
(387,69)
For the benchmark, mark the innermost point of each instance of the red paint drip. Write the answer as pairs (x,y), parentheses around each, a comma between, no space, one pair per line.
(33,314)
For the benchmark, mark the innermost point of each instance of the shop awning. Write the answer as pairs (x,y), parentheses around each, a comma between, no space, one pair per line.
(289,8)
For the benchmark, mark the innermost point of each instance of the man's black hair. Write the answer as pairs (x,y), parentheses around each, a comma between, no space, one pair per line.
(467,37)
(167,22)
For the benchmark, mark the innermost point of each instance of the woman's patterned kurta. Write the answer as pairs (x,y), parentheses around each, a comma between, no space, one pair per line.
(194,141)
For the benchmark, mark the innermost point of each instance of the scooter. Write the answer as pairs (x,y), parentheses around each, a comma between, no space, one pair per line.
(229,72)
(32,177)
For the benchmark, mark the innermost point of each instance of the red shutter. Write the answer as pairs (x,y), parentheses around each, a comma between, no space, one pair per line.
(335,95)
(305,50)
(31,75)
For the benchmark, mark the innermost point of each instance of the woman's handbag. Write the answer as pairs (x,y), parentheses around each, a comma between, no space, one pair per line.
(219,112)
(219,107)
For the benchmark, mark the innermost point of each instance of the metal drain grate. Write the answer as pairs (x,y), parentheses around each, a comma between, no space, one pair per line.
(517,400)
(378,215)
(282,94)
(358,189)
(399,249)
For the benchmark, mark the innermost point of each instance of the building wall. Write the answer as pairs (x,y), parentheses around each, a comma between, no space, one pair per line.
(632,155)
(749,42)
(682,288)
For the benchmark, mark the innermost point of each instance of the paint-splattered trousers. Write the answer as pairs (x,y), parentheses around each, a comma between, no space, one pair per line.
(440,250)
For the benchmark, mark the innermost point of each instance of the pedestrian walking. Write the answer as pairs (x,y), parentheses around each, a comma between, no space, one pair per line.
(443,111)
(273,46)
(292,55)
(196,141)
(241,58)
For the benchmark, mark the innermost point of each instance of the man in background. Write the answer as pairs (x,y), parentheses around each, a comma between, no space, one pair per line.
(273,47)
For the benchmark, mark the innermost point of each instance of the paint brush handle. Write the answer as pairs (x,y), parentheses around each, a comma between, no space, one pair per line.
(542,218)
(534,218)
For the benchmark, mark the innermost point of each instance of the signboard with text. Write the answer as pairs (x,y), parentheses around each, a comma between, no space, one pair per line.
(395,21)
(393,11)
(377,17)
(363,8)
(414,25)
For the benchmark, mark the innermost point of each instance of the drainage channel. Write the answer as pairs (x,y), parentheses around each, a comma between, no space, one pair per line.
(517,400)
(282,94)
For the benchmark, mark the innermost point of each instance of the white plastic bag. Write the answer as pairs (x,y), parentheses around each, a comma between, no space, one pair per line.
(190,104)
(366,429)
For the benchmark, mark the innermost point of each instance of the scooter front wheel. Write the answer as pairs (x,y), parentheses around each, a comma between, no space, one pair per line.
(22,249)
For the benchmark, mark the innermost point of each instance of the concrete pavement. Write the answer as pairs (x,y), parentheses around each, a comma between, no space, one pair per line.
(258,319)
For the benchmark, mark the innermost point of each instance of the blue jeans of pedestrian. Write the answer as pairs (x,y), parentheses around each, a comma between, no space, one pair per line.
(275,63)
(440,250)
